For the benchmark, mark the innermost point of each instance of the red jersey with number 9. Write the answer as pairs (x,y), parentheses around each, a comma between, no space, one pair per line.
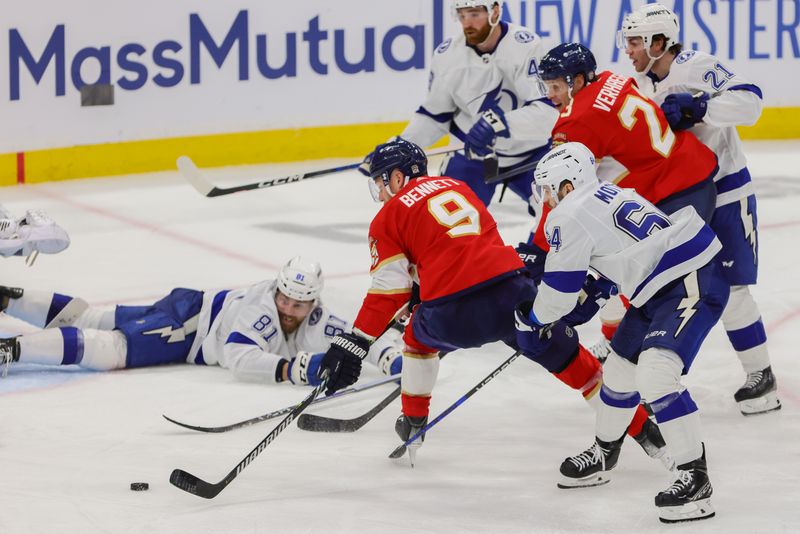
(440,229)
(612,118)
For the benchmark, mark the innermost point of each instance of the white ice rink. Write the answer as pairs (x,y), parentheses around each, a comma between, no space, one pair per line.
(71,441)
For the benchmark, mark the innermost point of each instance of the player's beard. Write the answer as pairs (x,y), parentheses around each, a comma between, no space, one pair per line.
(475,37)
(289,323)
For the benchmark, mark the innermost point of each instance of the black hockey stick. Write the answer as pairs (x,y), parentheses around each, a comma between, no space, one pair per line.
(193,175)
(510,173)
(318,423)
(192,484)
(401,450)
(284,411)
(196,486)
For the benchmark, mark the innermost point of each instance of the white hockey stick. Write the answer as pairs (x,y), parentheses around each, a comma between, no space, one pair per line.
(195,177)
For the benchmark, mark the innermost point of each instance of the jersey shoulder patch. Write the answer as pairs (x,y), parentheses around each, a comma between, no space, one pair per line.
(315,316)
(442,48)
(524,36)
(685,56)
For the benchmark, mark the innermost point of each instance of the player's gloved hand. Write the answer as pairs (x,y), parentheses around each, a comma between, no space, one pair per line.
(683,110)
(533,257)
(390,361)
(532,337)
(483,134)
(594,294)
(343,361)
(304,369)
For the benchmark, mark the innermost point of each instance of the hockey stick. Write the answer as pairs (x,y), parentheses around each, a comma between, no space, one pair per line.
(318,423)
(514,171)
(191,484)
(284,411)
(196,486)
(400,451)
(193,175)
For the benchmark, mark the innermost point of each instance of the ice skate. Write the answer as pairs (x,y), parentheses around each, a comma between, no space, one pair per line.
(759,394)
(407,427)
(601,349)
(590,467)
(9,352)
(7,293)
(689,497)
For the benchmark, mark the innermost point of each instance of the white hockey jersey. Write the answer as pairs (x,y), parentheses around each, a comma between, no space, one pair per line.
(624,238)
(240,330)
(464,83)
(735,102)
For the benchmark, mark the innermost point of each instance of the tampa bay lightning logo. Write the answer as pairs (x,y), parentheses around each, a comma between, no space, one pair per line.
(524,36)
(442,48)
(684,56)
(316,315)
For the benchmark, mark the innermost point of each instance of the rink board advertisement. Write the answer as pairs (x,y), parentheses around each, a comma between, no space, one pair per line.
(91,88)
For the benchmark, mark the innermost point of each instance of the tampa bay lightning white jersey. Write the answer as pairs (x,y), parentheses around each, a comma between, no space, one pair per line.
(464,83)
(240,330)
(623,237)
(735,102)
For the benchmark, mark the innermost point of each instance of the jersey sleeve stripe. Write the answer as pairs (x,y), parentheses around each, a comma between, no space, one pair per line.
(733,181)
(438,117)
(389,291)
(565,281)
(387,261)
(237,337)
(748,87)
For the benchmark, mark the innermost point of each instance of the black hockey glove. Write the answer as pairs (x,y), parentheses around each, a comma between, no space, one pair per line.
(533,257)
(342,361)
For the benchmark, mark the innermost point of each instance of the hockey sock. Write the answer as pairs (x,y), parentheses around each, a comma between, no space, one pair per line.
(45,309)
(417,380)
(583,373)
(93,349)
(745,329)
(414,406)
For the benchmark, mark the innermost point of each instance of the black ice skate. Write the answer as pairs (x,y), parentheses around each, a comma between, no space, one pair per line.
(759,394)
(652,443)
(7,293)
(590,467)
(689,497)
(9,352)
(408,426)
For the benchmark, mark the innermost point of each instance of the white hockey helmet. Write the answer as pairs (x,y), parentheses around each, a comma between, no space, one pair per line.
(648,21)
(571,162)
(300,279)
(488,4)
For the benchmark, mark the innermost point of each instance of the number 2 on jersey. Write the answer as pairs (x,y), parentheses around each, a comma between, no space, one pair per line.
(452,210)
(662,142)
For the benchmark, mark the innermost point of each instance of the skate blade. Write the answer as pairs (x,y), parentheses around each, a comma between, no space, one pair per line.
(597,479)
(693,511)
(760,405)
(412,452)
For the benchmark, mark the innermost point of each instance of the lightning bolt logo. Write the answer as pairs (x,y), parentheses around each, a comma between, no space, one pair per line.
(748,225)
(176,335)
(687,304)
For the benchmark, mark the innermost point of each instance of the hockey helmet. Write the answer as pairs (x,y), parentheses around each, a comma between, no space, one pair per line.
(648,21)
(300,279)
(570,162)
(396,154)
(488,4)
(566,61)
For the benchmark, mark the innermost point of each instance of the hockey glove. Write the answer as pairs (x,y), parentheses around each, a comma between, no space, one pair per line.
(304,369)
(532,337)
(684,110)
(533,257)
(594,294)
(483,134)
(343,361)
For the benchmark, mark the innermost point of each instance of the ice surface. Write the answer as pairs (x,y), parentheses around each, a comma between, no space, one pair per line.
(72,441)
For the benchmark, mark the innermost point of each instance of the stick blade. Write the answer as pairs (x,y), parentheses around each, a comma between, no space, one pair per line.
(191,484)
(192,175)
(213,429)
(318,423)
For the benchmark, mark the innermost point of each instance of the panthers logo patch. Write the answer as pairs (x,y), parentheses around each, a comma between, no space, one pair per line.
(373,251)
(524,36)
(683,57)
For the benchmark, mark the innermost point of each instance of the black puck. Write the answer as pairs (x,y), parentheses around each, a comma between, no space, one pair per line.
(140,486)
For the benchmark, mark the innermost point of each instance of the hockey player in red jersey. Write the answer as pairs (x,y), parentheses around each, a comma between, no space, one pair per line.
(436,229)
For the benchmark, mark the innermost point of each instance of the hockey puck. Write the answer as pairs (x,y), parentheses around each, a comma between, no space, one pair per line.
(140,486)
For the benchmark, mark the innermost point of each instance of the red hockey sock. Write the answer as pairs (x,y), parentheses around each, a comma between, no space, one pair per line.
(638,421)
(583,373)
(414,406)
(608,330)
